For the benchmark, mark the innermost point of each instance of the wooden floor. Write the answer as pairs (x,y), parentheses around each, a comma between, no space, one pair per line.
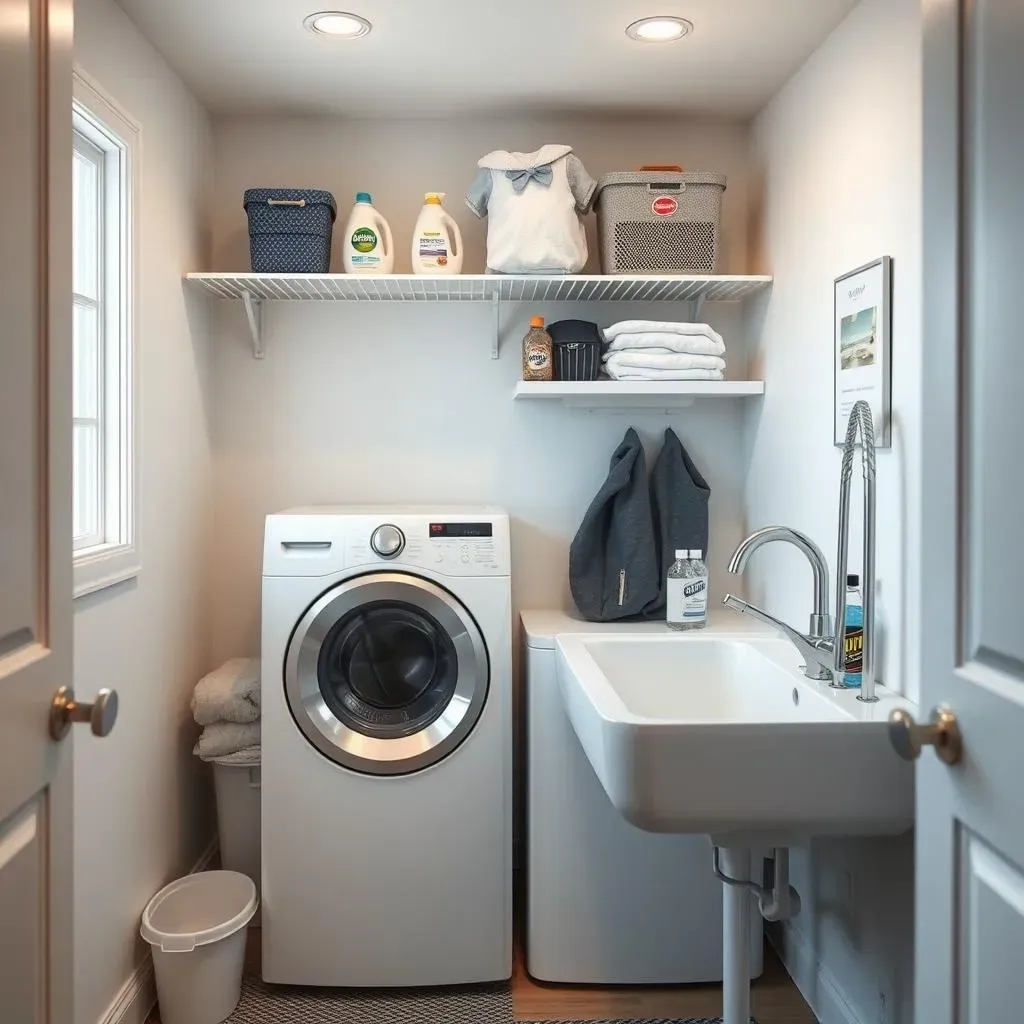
(775,997)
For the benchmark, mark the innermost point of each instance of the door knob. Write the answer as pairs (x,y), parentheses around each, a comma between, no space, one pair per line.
(942,733)
(65,710)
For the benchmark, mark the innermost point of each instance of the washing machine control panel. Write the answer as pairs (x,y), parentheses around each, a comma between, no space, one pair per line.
(454,547)
(449,554)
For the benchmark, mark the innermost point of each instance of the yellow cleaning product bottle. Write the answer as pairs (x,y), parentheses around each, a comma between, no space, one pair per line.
(437,241)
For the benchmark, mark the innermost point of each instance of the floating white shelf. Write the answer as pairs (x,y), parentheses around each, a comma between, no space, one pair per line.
(604,394)
(254,289)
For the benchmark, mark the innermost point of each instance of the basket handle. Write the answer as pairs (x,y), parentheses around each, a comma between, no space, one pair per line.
(286,202)
(675,168)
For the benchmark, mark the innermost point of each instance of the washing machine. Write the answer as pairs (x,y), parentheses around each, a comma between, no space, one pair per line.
(387,747)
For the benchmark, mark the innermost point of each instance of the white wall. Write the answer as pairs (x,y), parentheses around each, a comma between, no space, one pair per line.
(403,403)
(839,156)
(141,810)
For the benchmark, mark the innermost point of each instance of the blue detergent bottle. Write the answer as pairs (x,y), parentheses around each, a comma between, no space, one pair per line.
(853,656)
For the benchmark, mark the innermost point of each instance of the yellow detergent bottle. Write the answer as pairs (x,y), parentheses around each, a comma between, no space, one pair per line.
(437,241)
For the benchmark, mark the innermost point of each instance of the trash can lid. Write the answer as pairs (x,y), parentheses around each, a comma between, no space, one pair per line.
(199,909)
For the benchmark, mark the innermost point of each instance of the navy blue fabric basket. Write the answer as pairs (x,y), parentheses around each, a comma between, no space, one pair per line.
(290,230)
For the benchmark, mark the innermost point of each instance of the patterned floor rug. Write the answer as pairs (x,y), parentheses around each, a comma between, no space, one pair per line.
(484,1004)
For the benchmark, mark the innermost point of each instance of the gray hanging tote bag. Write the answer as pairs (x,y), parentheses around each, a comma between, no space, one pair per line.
(679,507)
(613,559)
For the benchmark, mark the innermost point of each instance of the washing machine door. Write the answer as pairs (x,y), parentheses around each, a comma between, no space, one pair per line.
(386,674)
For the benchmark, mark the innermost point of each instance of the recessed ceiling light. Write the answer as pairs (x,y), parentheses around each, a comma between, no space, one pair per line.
(659,30)
(337,24)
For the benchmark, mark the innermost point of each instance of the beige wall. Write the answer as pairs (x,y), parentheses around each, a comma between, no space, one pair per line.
(397,161)
(141,808)
(390,403)
(839,160)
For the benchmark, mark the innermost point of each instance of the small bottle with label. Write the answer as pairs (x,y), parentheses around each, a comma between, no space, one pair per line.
(853,654)
(687,592)
(674,583)
(695,592)
(538,363)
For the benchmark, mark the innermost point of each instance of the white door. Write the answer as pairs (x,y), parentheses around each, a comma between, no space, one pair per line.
(35,508)
(970,824)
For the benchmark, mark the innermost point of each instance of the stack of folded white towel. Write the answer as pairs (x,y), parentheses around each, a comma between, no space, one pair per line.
(655,350)
(226,703)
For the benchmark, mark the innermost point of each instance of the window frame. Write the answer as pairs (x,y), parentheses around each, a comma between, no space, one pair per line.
(101,160)
(116,557)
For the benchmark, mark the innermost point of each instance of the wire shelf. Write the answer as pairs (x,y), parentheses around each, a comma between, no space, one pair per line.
(478,287)
(254,289)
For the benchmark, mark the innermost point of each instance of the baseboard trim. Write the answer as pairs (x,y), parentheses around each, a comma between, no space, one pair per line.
(137,996)
(817,984)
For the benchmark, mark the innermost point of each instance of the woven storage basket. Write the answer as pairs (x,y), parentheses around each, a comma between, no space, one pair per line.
(290,230)
(659,222)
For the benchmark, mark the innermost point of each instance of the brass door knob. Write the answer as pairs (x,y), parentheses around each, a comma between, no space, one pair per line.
(942,733)
(65,710)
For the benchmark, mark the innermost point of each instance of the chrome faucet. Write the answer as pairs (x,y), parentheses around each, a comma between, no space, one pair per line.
(824,654)
(860,422)
(816,644)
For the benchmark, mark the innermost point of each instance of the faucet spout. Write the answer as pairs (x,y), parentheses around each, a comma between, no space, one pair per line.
(816,646)
(861,424)
(820,625)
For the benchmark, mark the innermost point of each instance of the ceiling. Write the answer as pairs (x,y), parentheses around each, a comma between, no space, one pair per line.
(449,57)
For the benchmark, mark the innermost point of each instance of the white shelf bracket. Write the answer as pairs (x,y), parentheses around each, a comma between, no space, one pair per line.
(496,337)
(254,315)
(696,307)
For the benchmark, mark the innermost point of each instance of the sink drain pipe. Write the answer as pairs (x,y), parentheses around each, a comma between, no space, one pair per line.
(780,901)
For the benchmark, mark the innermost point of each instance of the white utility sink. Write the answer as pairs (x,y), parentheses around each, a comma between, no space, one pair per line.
(724,735)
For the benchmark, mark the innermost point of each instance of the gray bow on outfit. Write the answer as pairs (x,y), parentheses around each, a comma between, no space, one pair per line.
(521,178)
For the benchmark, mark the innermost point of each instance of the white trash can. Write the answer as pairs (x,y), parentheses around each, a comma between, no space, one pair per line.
(238,819)
(197,928)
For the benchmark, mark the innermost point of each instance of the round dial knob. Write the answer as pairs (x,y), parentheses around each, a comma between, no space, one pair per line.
(387,541)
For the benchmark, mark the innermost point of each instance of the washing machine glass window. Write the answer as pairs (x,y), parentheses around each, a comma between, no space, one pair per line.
(387,669)
(386,673)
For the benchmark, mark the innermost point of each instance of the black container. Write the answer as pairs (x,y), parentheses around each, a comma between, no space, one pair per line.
(290,230)
(577,349)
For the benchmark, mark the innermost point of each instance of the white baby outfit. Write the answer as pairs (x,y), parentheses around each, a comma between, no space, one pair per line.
(533,202)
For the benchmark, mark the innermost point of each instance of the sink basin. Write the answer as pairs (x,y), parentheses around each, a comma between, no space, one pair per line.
(724,735)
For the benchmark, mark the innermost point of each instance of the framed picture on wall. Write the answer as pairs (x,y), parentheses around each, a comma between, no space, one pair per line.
(863,347)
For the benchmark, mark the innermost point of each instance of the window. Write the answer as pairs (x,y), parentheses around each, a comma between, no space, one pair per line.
(103,487)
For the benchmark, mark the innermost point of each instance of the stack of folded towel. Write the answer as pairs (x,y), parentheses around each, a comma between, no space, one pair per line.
(653,350)
(226,703)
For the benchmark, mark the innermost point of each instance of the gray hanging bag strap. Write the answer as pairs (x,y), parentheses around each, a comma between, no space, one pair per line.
(679,507)
(613,559)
